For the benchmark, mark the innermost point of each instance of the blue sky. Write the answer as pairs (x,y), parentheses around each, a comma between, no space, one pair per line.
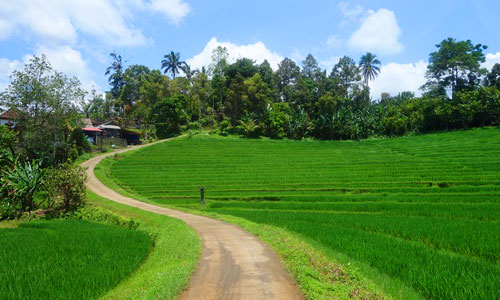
(78,35)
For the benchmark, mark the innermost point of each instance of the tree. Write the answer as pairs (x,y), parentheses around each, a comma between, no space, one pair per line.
(169,115)
(243,66)
(115,72)
(46,104)
(172,63)
(493,77)
(189,72)
(287,77)
(347,73)
(217,69)
(133,78)
(369,66)
(455,65)
(310,68)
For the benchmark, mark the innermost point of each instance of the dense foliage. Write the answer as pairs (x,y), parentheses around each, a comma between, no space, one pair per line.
(67,259)
(36,153)
(302,101)
(422,209)
(45,105)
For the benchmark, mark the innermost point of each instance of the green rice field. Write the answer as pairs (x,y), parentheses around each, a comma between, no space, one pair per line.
(67,259)
(425,210)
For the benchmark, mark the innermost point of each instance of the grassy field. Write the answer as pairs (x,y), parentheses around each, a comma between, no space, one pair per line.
(67,259)
(424,210)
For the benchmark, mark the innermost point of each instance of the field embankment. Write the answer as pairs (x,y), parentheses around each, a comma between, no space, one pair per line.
(423,210)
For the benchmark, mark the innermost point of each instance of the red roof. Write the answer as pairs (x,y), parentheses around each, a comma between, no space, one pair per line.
(9,115)
(93,129)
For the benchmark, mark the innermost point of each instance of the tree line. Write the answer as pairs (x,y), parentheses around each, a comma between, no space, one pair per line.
(301,101)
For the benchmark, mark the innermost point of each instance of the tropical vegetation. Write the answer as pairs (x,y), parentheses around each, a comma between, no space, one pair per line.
(299,101)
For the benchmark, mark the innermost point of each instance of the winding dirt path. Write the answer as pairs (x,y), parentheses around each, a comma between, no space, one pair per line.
(234,263)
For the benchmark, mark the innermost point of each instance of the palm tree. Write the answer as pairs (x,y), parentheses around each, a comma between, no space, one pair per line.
(115,72)
(188,72)
(172,63)
(370,67)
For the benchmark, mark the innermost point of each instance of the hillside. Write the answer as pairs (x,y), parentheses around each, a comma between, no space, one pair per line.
(422,209)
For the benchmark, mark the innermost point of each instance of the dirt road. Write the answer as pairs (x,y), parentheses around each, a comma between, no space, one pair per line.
(234,263)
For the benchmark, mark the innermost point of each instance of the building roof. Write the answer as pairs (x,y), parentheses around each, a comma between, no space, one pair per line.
(93,129)
(9,115)
(87,123)
(112,127)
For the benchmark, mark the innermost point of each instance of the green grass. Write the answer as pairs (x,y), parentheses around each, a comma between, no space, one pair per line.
(166,272)
(423,210)
(67,259)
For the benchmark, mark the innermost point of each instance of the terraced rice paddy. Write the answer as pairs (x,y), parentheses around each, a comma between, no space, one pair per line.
(67,259)
(423,209)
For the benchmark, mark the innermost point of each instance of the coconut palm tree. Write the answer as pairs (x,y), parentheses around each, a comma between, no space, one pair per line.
(370,67)
(115,72)
(188,71)
(172,63)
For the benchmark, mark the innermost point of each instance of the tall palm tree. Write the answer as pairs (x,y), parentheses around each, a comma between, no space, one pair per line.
(115,72)
(172,63)
(370,67)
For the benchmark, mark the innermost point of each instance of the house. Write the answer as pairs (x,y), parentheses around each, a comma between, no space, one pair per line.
(9,118)
(111,129)
(132,136)
(90,131)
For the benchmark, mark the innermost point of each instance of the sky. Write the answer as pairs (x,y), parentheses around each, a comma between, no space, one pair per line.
(78,35)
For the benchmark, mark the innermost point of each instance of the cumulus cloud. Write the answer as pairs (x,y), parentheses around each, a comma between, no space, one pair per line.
(257,51)
(174,10)
(62,20)
(70,62)
(7,66)
(491,60)
(395,78)
(329,63)
(63,59)
(350,11)
(379,32)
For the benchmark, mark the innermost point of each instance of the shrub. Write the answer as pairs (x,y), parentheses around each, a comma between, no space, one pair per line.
(66,187)
(79,139)
(18,185)
(224,127)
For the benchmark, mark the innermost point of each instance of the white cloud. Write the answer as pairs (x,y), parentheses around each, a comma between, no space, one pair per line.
(395,78)
(62,59)
(62,20)
(329,63)
(379,32)
(70,62)
(6,68)
(349,11)
(174,10)
(491,60)
(257,51)
(334,41)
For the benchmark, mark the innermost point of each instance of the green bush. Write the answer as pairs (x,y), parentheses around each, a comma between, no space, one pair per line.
(79,139)
(18,185)
(66,187)
(101,216)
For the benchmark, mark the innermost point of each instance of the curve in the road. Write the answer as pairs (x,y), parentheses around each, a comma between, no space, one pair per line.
(234,263)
